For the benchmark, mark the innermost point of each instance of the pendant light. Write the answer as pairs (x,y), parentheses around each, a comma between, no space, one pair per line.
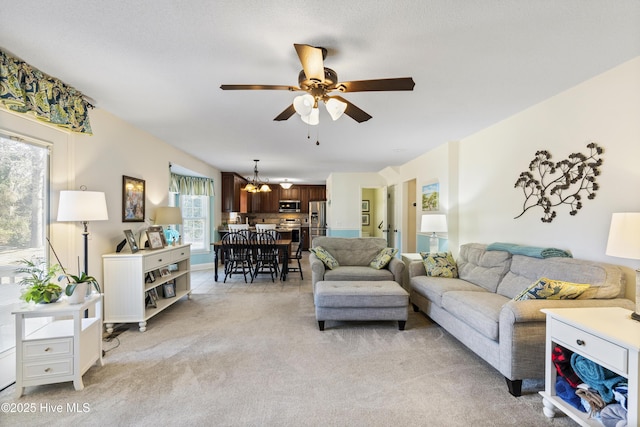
(256,185)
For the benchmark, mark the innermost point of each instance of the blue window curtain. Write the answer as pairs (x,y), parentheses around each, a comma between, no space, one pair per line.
(25,89)
(191,185)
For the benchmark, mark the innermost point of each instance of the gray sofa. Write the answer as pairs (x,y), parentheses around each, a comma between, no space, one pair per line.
(478,307)
(353,256)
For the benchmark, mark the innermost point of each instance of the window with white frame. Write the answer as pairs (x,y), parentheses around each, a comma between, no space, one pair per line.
(195,222)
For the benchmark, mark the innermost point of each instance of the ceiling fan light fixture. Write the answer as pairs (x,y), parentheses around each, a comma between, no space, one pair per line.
(335,108)
(313,118)
(303,104)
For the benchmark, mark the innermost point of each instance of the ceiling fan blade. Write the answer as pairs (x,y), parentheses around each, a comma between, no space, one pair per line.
(258,87)
(311,60)
(403,83)
(290,111)
(354,112)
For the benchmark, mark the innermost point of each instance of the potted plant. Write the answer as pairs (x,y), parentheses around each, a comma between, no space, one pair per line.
(38,282)
(78,287)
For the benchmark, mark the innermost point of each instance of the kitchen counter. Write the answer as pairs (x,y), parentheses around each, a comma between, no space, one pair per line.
(253,228)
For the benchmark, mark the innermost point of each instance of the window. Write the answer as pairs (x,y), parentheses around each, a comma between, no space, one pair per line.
(195,222)
(24,207)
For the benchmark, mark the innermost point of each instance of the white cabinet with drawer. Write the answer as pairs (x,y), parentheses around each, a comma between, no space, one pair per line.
(62,350)
(130,277)
(607,336)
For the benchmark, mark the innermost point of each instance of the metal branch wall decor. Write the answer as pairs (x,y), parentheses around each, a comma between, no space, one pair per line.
(577,177)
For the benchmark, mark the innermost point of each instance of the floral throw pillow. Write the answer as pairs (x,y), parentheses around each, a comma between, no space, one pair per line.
(383,258)
(439,264)
(545,288)
(324,256)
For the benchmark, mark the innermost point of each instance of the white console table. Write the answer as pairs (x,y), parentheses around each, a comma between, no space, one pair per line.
(62,350)
(606,335)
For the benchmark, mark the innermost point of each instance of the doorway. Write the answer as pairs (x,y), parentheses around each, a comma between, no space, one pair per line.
(374,212)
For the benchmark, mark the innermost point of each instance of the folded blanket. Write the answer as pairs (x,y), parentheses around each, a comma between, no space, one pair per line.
(531,251)
(561,358)
(568,394)
(595,376)
(614,415)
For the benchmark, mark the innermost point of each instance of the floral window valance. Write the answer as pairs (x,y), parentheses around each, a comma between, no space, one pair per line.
(25,89)
(191,185)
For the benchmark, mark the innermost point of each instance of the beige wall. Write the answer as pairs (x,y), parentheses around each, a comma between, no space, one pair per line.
(98,162)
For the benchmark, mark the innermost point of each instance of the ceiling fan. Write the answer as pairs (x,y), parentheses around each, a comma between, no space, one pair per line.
(319,81)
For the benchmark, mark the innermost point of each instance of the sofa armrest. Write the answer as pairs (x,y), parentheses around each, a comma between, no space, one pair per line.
(317,270)
(529,310)
(416,268)
(397,268)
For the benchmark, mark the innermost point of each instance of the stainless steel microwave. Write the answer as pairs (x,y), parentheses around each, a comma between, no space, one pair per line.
(289,206)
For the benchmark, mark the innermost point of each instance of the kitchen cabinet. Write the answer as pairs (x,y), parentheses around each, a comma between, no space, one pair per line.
(266,202)
(233,198)
(311,193)
(292,193)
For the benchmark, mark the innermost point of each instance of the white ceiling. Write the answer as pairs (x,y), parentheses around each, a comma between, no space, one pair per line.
(158,64)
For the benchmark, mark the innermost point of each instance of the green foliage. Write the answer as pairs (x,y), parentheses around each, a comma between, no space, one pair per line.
(39,287)
(83,278)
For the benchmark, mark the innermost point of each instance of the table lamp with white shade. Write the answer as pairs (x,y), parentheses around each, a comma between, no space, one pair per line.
(435,223)
(624,242)
(83,206)
(168,215)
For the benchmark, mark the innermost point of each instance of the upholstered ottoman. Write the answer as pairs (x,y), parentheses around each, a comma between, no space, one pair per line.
(360,300)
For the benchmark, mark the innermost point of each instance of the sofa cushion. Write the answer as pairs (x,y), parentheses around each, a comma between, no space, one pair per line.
(479,310)
(351,250)
(324,256)
(606,280)
(482,267)
(382,258)
(439,264)
(357,273)
(433,288)
(552,289)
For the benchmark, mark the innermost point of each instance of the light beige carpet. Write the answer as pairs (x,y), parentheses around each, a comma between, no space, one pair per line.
(252,355)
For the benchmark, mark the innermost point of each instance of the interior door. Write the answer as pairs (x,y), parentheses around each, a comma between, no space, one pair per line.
(392,227)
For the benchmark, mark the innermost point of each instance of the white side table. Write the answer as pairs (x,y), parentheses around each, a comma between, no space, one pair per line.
(408,258)
(62,350)
(606,335)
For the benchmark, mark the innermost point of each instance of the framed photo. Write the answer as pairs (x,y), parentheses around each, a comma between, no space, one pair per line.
(169,290)
(131,240)
(149,301)
(365,206)
(155,240)
(133,199)
(164,272)
(154,293)
(150,277)
(365,219)
(159,229)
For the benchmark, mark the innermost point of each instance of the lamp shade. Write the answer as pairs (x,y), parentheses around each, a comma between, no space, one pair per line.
(624,235)
(303,104)
(168,215)
(433,224)
(82,206)
(313,118)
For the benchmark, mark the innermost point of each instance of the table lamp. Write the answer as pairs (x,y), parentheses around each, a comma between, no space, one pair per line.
(168,215)
(624,242)
(83,206)
(435,223)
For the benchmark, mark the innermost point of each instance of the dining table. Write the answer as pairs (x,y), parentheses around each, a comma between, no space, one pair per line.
(283,246)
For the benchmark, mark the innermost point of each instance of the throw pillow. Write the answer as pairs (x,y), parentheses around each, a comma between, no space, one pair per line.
(383,258)
(324,256)
(439,264)
(545,288)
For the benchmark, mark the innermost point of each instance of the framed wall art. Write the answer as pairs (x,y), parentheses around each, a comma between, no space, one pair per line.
(431,197)
(365,206)
(365,219)
(133,199)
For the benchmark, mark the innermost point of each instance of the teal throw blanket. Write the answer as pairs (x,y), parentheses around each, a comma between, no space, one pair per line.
(595,376)
(531,251)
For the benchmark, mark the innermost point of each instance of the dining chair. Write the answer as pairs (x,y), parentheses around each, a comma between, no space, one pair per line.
(298,255)
(237,255)
(266,256)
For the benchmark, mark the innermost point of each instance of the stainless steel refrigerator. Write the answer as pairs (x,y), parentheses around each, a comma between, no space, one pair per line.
(317,220)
